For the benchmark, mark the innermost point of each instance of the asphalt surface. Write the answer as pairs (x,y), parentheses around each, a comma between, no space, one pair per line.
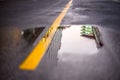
(29,13)
(19,16)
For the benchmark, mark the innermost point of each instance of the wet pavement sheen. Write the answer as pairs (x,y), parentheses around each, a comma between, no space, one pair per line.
(79,59)
(70,56)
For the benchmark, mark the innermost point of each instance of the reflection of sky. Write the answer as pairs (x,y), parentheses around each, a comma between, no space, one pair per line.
(73,42)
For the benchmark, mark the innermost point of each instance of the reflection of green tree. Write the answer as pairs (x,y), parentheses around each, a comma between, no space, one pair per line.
(62,28)
(87,30)
(31,34)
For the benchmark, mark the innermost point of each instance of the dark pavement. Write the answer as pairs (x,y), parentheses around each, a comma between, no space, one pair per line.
(29,13)
(62,60)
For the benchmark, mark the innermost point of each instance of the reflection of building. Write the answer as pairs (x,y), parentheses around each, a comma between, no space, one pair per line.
(50,58)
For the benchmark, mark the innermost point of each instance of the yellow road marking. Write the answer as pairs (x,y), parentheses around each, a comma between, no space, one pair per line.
(34,58)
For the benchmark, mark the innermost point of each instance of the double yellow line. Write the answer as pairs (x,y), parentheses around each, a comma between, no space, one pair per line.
(34,58)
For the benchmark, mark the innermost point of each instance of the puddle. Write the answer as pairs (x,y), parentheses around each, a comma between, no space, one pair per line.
(31,35)
(13,37)
(72,42)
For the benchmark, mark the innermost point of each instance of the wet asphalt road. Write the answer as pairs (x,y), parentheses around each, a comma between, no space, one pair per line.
(29,13)
(16,16)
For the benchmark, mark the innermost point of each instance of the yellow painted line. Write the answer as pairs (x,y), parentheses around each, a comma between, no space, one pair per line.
(34,58)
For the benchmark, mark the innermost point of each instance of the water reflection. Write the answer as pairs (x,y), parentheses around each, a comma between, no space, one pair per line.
(50,60)
(73,42)
(30,35)
(12,37)
(15,45)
